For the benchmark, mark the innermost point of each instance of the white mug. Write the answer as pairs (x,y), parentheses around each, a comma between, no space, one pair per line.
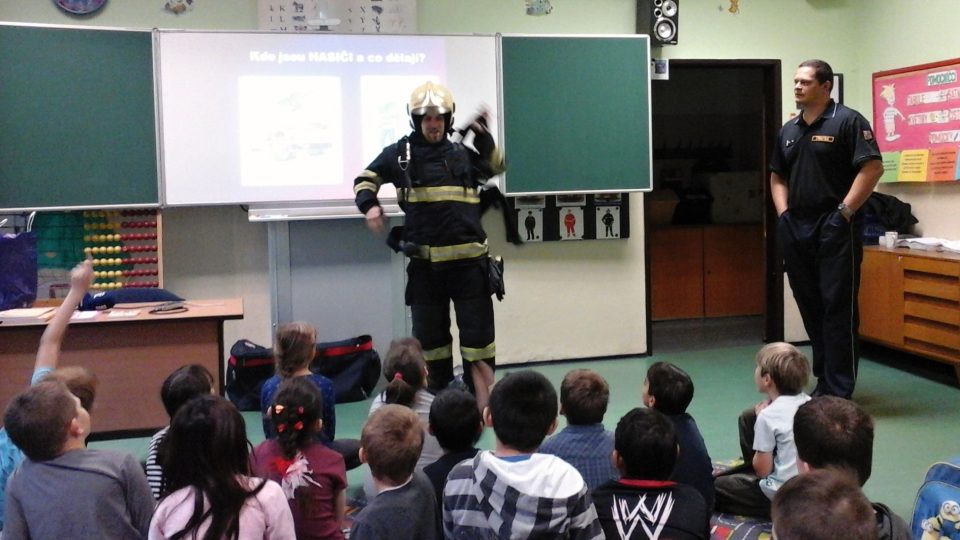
(890,239)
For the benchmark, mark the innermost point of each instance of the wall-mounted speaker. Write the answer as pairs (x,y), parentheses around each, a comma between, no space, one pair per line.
(660,19)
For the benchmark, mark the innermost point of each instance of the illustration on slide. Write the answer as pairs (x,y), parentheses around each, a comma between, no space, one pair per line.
(289,130)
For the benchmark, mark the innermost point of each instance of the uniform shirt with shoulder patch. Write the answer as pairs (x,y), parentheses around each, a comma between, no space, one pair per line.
(819,161)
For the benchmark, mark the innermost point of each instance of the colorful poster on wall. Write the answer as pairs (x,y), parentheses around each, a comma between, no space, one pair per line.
(916,116)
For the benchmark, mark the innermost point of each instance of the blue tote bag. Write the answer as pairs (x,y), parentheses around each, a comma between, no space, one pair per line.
(18,270)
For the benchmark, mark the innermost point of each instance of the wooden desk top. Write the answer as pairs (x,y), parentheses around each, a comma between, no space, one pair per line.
(930,254)
(228,308)
(130,355)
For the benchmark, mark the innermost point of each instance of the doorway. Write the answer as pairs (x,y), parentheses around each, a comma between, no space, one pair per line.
(712,269)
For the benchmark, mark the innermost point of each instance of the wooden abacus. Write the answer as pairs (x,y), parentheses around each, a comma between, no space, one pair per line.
(126,248)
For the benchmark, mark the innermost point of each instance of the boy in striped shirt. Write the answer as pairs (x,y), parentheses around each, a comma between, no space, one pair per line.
(514,491)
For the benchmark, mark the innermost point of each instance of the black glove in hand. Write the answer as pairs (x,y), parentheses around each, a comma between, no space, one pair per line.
(483,142)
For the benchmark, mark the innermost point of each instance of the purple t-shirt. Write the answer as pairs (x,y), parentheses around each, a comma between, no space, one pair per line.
(320,479)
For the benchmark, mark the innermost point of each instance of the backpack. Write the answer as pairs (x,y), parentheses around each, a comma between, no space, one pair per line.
(249,366)
(351,364)
(936,512)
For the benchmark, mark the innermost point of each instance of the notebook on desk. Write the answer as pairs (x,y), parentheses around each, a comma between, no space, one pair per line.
(27,314)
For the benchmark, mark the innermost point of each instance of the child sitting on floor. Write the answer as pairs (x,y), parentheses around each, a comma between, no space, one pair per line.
(63,489)
(766,433)
(515,491)
(81,381)
(312,476)
(405,371)
(210,493)
(456,423)
(184,384)
(404,506)
(644,504)
(825,504)
(584,443)
(294,349)
(832,432)
(669,390)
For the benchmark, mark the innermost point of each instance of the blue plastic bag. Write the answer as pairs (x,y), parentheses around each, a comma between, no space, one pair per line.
(18,270)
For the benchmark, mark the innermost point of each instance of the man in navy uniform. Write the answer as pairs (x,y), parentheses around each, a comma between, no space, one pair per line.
(824,167)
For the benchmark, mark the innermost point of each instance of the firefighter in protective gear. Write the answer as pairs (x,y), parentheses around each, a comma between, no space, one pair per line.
(437,184)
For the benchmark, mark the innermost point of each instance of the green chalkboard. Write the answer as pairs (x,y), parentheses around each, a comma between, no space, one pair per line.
(576,114)
(77,121)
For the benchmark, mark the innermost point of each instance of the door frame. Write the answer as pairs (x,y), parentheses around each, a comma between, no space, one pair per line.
(773,262)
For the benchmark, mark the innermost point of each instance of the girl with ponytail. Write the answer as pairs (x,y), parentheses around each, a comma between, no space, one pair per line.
(294,348)
(312,476)
(405,370)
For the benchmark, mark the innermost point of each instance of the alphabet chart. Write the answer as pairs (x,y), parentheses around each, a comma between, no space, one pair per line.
(356,16)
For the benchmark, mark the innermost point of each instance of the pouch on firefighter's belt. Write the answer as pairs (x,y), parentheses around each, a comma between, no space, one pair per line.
(495,274)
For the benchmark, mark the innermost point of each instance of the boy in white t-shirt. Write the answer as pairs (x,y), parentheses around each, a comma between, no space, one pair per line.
(766,433)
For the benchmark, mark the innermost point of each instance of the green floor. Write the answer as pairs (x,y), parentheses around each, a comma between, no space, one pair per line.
(913,413)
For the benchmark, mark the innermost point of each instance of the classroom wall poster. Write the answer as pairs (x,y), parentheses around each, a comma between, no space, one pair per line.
(356,16)
(916,119)
(529,211)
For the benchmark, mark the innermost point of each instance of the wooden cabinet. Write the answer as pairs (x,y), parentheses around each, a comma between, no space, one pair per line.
(910,301)
(881,297)
(706,271)
(676,273)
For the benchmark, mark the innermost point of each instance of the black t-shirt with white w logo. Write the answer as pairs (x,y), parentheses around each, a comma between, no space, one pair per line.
(651,510)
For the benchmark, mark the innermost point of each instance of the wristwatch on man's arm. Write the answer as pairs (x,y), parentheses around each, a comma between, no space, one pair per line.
(845,211)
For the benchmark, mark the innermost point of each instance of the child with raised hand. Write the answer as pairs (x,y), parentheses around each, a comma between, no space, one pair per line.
(81,381)
(766,433)
(669,390)
(312,476)
(184,384)
(211,495)
(63,489)
(48,354)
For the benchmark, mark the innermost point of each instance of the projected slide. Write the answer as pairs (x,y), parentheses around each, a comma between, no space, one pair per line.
(271,118)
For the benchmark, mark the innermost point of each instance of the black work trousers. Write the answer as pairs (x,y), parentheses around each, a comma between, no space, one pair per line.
(739,492)
(822,253)
(429,293)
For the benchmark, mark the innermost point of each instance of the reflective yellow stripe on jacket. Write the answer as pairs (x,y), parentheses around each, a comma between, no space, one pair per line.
(470,250)
(373,183)
(442,194)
